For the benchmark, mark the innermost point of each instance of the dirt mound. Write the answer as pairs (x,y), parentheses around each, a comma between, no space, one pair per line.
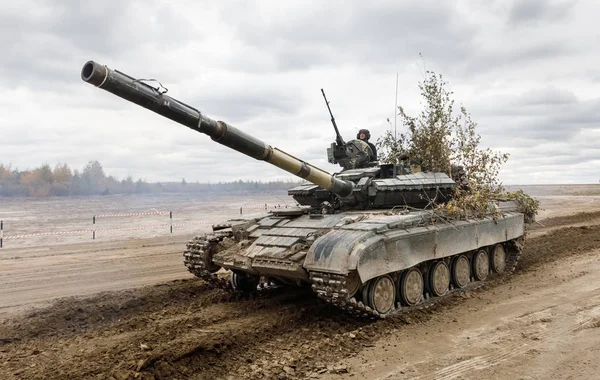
(584,217)
(73,315)
(559,244)
(184,329)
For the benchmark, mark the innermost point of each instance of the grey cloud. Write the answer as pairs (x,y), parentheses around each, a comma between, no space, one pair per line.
(546,114)
(558,156)
(45,41)
(487,61)
(538,11)
(588,139)
(537,101)
(237,105)
(547,96)
(315,152)
(333,33)
(541,128)
(593,75)
(544,129)
(540,131)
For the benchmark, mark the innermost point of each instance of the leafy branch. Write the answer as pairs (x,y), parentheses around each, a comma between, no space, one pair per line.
(440,139)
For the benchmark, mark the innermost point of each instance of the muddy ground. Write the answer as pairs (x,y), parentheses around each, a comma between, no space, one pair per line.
(540,323)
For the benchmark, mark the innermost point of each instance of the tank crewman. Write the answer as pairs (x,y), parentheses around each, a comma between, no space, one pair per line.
(365,135)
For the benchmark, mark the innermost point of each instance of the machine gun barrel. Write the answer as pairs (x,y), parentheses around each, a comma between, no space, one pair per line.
(338,137)
(142,94)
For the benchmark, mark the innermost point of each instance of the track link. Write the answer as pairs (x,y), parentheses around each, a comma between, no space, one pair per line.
(332,288)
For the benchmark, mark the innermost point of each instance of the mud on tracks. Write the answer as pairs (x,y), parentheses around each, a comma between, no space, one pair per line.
(185,329)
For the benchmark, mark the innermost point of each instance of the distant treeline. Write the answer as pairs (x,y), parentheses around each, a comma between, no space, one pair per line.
(46,181)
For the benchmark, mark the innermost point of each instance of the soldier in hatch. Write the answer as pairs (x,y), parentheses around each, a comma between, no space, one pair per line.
(365,135)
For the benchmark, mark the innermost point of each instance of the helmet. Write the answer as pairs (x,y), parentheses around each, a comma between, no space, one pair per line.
(366,132)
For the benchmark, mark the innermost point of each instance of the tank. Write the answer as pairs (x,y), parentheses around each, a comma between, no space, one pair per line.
(364,239)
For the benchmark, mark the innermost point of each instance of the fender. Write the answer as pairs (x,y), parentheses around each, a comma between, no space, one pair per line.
(375,252)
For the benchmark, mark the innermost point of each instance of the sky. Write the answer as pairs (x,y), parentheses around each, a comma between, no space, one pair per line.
(527,71)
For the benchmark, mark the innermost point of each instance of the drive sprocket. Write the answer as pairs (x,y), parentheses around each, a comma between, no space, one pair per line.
(198,254)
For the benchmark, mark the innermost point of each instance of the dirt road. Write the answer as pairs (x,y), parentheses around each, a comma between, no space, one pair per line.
(33,277)
(541,323)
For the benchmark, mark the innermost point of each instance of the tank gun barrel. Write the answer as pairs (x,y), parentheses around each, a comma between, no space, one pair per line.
(155,99)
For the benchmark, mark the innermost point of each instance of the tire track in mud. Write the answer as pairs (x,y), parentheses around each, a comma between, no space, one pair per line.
(541,329)
(185,329)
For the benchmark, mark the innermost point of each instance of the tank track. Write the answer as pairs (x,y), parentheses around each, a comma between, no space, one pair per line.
(198,254)
(332,288)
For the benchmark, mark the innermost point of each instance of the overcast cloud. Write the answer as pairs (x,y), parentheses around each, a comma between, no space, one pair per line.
(528,72)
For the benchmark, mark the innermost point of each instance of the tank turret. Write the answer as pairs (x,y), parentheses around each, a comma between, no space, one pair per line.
(361,184)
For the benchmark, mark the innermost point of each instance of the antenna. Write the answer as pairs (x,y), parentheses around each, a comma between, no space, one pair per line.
(396,106)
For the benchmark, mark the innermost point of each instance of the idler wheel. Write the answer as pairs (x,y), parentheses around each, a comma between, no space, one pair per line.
(381,295)
(481,265)
(461,271)
(439,278)
(244,282)
(411,287)
(365,291)
(498,259)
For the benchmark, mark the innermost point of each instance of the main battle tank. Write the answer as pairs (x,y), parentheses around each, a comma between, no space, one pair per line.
(363,239)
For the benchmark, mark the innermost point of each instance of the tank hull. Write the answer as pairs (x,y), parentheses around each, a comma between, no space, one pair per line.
(358,248)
